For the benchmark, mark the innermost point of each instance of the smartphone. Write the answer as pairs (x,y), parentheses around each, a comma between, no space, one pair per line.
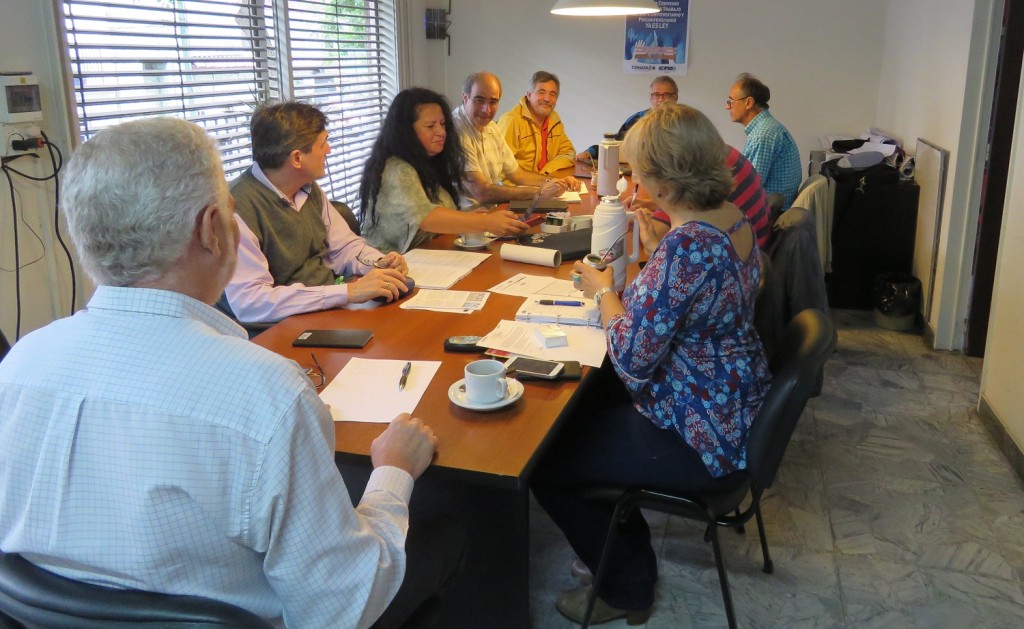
(547,369)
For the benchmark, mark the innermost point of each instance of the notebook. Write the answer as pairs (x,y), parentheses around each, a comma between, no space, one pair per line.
(572,245)
(544,205)
(534,312)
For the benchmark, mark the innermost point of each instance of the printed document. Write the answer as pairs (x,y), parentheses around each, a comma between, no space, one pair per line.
(433,268)
(523,285)
(586,344)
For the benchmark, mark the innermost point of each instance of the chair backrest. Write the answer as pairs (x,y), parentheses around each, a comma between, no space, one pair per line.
(807,342)
(347,214)
(33,597)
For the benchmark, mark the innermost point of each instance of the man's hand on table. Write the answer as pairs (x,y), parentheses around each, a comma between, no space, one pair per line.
(389,283)
(406,444)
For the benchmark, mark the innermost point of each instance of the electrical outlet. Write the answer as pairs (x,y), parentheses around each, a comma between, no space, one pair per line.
(15,131)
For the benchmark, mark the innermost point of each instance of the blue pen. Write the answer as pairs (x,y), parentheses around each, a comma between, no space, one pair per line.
(556,302)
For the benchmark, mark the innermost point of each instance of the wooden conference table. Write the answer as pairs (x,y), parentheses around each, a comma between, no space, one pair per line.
(484,459)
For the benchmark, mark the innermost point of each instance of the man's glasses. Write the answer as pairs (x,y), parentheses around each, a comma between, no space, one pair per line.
(316,373)
(729,101)
(662,95)
(377,263)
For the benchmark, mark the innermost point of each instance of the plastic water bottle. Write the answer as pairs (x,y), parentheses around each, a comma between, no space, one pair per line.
(607,165)
(611,223)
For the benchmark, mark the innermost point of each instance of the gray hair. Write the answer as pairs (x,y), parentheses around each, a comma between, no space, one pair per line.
(677,146)
(664,78)
(543,76)
(132,194)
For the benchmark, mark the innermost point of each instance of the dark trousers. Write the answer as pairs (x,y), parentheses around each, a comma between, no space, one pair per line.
(605,440)
(434,548)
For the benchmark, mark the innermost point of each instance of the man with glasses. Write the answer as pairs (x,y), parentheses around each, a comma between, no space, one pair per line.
(534,131)
(769,145)
(663,90)
(489,159)
(295,249)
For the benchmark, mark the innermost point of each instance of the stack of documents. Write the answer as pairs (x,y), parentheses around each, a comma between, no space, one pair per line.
(432,268)
(587,345)
(533,311)
(462,301)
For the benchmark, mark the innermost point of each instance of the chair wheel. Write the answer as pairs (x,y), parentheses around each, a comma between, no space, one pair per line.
(769,567)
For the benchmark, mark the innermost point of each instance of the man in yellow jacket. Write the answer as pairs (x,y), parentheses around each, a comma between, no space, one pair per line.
(535,132)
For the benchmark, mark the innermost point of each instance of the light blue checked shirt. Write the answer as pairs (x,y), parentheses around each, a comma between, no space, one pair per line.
(772,151)
(148,444)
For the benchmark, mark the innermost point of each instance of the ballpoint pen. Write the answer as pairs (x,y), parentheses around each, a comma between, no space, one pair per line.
(557,302)
(536,200)
(632,199)
(405,376)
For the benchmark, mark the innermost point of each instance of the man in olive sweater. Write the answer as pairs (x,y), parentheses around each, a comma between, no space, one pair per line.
(295,249)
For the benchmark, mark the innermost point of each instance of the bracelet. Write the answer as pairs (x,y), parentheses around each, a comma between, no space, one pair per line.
(600,293)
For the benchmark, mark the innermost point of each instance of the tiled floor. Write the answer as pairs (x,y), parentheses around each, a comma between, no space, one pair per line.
(893,508)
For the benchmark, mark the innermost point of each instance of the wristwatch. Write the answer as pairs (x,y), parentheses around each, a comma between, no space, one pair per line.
(600,293)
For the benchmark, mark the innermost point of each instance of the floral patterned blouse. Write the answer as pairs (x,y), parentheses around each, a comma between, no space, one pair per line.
(686,347)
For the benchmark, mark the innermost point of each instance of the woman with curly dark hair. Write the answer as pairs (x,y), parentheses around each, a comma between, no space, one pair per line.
(413,178)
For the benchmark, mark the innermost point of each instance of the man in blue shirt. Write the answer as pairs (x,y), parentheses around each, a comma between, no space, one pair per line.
(663,90)
(769,146)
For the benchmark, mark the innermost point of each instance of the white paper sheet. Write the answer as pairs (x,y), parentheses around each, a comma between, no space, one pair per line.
(586,345)
(523,285)
(366,390)
(573,196)
(461,301)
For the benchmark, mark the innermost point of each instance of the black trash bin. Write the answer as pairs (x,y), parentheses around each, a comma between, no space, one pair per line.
(897,301)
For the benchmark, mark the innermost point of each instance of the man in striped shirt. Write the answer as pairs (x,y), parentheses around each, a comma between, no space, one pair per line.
(748,195)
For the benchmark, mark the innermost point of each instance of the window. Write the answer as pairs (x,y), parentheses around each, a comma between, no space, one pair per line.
(212,61)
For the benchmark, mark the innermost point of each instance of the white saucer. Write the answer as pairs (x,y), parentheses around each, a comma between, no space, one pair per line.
(462,245)
(458,396)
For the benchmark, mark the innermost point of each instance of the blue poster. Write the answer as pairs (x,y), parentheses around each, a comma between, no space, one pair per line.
(657,43)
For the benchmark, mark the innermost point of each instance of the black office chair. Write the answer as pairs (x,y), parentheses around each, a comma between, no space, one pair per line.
(347,214)
(252,328)
(31,597)
(4,345)
(806,344)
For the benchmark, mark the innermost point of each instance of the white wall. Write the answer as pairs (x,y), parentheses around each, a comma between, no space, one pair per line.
(821,59)
(1000,378)
(27,42)
(939,89)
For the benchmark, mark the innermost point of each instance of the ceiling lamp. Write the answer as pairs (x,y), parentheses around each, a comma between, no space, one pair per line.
(605,7)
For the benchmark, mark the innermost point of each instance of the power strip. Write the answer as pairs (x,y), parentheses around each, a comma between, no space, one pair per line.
(16,131)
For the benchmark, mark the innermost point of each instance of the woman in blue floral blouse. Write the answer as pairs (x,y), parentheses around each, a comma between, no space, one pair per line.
(690,372)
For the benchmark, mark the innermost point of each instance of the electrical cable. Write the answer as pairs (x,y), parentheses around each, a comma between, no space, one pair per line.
(17,257)
(51,147)
(35,234)
(57,166)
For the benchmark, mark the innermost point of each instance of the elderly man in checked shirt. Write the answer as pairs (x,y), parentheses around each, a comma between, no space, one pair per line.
(149,445)
(769,146)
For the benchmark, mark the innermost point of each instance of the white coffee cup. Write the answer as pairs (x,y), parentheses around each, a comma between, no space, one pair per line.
(485,381)
(473,239)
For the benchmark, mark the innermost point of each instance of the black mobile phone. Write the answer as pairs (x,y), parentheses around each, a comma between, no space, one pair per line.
(546,369)
(463,344)
(333,338)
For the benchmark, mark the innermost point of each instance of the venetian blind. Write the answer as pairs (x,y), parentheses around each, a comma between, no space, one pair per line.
(212,61)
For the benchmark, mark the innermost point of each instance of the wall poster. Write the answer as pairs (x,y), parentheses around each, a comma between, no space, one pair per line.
(657,44)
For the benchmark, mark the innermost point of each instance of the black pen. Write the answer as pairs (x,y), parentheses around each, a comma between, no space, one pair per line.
(405,376)
(558,302)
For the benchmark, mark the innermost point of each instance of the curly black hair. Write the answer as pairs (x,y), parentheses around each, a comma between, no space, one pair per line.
(397,139)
